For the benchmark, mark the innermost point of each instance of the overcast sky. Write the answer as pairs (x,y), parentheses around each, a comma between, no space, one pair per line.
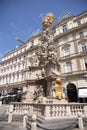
(21,18)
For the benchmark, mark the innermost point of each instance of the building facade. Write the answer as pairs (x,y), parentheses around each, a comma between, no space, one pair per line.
(11,71)
(71,36)
(19,67)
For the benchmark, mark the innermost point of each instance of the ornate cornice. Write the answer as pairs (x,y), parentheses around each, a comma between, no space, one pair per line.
(74,29)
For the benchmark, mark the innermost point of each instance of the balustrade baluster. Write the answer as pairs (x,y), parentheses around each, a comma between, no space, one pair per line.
(50,111)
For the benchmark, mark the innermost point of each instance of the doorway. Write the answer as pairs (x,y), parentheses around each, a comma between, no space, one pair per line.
(72,95)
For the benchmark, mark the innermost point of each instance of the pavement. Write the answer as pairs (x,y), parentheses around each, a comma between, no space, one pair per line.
(19,126)
(80,129)
(62,124)
(11,126)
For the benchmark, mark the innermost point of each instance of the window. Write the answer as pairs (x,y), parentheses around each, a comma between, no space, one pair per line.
(66,52)
(4,70)
(84,47)
(18,51)
(17,77)
(4,91)
(79,23)
(22,76)
(19,66)
(85,60)
(1,71)
(24,57)
(68,67)
(81,35)
(20,58)
(64,28)
(31,61)
(23,50)
(8,69)
(65,39)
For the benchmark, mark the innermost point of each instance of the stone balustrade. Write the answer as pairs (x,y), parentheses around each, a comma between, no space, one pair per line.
(51,111)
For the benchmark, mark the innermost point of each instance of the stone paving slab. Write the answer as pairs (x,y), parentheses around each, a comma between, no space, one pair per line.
(12,126)
(79,129)
(19,126)
(66,129)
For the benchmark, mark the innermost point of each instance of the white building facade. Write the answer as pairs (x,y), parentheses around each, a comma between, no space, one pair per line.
(12,70)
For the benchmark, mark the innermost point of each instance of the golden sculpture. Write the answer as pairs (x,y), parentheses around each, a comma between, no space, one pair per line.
(48,20)
(57,86)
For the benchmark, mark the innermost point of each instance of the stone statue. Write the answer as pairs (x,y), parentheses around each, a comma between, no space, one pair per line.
(48,62)
(58,89)
(38,94)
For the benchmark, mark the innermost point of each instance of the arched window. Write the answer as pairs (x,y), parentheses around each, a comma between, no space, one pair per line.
(72,93)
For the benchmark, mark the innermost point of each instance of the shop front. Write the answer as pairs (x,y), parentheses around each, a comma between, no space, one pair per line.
(82,94)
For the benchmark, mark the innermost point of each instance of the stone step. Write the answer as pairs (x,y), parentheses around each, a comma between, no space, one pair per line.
(54,124)
(43,121)
(4,117)
(58,124)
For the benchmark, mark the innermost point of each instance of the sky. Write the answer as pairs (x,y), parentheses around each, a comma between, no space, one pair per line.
(21,18)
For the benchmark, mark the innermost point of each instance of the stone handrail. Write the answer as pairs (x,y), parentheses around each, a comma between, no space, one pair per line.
(51,111)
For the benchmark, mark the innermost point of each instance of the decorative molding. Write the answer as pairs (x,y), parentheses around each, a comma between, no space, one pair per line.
(65,46)
(82,40)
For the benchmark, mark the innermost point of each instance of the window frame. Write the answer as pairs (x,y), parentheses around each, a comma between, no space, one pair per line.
(83,46)
(64,28)
(68,67)
(85,62)
(81,34)
(68,51)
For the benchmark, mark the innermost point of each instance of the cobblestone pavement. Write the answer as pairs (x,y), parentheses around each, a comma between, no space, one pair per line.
(12,126)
